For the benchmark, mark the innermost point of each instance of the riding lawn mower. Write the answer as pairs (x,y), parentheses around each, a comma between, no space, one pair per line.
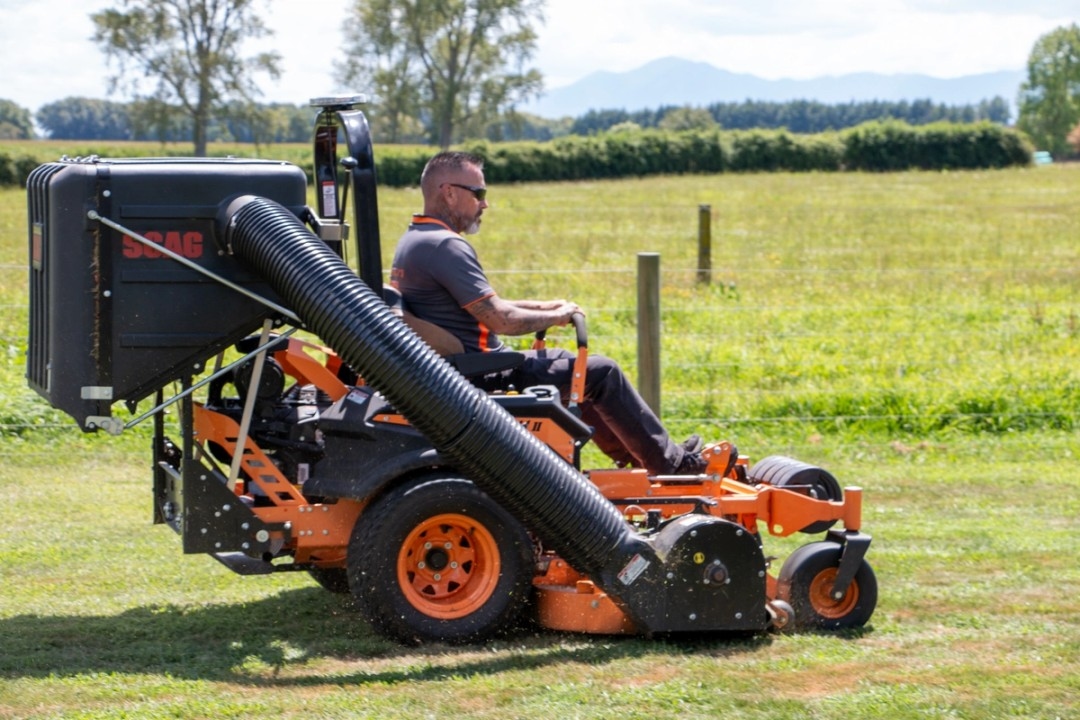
(363,457)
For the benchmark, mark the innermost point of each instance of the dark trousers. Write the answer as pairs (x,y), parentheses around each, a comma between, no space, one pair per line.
(625,428)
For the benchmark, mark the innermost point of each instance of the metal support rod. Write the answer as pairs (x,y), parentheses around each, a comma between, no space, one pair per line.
(93,215)
(649,329)
(217,373)
(704,263)
(249,406)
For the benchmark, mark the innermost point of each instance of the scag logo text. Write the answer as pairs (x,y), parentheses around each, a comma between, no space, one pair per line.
(188,244)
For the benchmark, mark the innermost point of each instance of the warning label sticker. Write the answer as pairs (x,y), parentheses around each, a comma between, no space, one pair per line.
(633,570)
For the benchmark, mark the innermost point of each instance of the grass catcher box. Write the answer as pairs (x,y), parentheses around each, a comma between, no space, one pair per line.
(112,319)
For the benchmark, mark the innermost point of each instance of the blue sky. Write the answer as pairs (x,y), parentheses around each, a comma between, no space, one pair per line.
(46,54)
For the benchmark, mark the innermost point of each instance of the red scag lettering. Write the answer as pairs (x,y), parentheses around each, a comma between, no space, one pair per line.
(186,244)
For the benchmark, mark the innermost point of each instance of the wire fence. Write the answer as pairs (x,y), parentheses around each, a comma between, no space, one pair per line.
(712,336)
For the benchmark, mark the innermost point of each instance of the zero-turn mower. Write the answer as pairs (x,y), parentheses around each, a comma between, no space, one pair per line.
(367,460)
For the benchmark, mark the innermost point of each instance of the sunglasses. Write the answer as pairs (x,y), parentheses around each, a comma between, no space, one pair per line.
(480,193)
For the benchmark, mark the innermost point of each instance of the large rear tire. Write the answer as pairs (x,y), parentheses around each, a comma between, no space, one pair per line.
(437,560)
(806,580)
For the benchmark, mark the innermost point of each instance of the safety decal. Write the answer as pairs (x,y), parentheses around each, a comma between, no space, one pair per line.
(633,570)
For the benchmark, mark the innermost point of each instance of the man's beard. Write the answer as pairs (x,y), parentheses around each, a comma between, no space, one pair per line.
(466,225)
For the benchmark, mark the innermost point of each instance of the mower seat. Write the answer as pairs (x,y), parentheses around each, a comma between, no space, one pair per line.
(477,364)
(443,342)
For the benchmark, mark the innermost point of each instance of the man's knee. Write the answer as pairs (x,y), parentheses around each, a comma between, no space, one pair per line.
(602,364)
(602,372)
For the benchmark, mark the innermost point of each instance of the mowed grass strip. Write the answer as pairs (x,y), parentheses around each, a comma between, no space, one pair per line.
(102,616)
(830,292)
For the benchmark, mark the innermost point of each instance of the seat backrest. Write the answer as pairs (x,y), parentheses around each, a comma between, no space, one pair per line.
(447,345)
(440,340)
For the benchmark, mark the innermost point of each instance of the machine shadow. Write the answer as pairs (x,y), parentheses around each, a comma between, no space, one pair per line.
(257,642)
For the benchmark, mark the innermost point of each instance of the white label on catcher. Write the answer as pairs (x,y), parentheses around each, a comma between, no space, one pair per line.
(633,570)
(329,199)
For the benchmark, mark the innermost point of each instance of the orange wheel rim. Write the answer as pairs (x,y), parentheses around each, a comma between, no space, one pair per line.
(822,600)
(448,566)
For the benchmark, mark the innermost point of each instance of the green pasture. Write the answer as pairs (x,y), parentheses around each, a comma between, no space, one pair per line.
(916,334)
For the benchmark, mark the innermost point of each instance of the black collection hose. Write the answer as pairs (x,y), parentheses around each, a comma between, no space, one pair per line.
(566,511)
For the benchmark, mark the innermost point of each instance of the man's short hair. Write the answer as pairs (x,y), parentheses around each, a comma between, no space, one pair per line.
(448,160)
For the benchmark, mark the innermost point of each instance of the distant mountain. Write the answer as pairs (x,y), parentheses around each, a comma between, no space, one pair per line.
(674,81)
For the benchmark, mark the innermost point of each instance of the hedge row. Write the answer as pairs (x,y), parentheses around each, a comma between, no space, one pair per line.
(15,168)
(875,147)
(894,146)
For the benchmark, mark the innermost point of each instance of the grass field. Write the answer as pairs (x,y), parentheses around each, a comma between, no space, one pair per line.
(916,334)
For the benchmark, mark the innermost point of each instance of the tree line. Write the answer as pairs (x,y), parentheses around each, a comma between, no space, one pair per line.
(76,118)
(797,116)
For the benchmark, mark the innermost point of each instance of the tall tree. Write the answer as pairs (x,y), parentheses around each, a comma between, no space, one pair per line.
(190,50)
(1050,97)
(154,119)
(15,122)
(450,63)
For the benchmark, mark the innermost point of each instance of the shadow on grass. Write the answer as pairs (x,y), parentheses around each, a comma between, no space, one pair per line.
(269,641)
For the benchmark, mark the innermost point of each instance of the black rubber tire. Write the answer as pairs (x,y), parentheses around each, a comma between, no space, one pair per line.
(489,550)
(782,472)
(806,576)
(336,580)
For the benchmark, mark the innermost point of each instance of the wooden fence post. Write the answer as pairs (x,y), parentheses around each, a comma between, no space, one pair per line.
(649,329)
(704,263)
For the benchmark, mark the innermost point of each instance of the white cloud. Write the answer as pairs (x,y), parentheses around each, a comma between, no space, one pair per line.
(46,53)
(307,33)
(791,39)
